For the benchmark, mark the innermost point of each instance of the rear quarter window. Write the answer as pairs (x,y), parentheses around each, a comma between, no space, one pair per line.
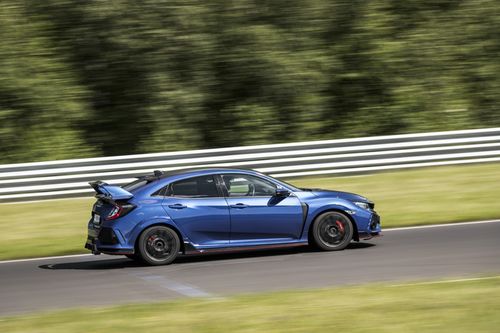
(196,187)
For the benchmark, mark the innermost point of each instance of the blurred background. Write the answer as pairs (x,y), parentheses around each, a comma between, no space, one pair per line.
(102,78)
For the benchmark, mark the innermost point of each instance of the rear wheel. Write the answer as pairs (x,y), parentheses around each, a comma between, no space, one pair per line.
(158,245)
(332,231)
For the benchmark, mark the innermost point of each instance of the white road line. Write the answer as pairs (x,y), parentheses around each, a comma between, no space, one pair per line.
(445,281)
(383,231)
(440,225)
(180,288)
(46,258)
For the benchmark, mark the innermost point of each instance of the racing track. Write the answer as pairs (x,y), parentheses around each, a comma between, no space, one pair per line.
(451,251)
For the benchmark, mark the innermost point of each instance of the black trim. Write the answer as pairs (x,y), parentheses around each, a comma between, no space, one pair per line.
(305,210)
(115,251)
(95,185)
(107,236)
(168,190)
(160,193)
(374,221)
(368,235)
(188,248)
(219,181)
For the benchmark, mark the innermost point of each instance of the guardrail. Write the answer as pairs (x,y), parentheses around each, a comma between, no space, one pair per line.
(66,178)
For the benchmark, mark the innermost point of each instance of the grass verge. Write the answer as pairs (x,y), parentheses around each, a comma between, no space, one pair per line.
(465,306)
(425,196)
(403,198)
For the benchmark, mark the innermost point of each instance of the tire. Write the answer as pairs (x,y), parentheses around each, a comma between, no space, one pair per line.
(158,245)
(332,231)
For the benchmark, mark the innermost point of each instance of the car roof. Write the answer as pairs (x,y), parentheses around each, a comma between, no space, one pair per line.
(180,173)
(165,177)
(204,171)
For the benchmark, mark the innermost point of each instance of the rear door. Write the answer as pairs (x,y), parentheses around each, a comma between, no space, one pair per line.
(199,209)
(257,215)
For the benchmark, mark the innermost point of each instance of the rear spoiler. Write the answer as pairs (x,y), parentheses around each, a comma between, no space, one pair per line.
(110,192)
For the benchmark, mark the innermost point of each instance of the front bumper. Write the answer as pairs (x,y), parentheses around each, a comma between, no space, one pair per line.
(375,223)
(373,229)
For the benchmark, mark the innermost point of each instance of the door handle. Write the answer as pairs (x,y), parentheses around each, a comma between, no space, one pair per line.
(177,206)
(239,205)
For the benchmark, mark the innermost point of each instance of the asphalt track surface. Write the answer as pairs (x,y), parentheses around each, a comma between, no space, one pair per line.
(408,254)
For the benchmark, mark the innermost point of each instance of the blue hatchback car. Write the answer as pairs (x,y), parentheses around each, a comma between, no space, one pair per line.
(162,215)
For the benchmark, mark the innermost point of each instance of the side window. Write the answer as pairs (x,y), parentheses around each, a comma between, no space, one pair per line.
(197,187)
(248,186)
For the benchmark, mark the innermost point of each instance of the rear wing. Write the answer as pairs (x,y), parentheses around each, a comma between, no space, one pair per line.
(110,192)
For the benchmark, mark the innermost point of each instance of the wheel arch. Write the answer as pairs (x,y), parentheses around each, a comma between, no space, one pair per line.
(355,235)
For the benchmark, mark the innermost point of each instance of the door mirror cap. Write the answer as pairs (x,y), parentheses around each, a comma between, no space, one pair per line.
(282,192)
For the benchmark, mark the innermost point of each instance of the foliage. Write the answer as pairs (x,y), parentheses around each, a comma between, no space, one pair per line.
(118,77)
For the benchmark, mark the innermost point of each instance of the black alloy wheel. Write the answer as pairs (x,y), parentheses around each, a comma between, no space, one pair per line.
(332,231)
(158,245)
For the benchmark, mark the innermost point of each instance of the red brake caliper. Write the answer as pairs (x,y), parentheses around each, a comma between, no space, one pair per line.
(151,239)
(340,225)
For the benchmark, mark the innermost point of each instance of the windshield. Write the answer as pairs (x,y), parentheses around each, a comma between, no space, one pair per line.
(290,186)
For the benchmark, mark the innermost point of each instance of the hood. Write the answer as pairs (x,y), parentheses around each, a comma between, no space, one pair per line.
(336,194)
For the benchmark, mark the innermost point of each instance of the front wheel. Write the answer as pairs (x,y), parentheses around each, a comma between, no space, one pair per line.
(332,231)
(158,245)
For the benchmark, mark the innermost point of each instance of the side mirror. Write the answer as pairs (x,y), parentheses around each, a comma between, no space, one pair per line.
(282,192)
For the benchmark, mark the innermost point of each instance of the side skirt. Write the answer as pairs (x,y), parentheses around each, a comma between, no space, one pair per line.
(190,250)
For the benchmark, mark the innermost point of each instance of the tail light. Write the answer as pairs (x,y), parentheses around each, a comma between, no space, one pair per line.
(119,211)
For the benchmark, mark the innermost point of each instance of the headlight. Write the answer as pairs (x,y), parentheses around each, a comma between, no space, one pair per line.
(363,205)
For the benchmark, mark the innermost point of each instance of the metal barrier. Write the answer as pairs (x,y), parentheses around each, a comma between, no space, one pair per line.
(67,178)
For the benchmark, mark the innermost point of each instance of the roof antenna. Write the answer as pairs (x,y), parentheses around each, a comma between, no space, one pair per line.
(158,173)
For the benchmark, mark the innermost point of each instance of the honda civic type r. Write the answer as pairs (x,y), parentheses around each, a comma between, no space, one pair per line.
(159,216)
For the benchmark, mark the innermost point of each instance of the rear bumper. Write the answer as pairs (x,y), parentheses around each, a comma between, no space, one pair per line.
(107,250)
(105,240)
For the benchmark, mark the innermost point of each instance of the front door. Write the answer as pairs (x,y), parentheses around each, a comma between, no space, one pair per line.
(199,210)
(257,215)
